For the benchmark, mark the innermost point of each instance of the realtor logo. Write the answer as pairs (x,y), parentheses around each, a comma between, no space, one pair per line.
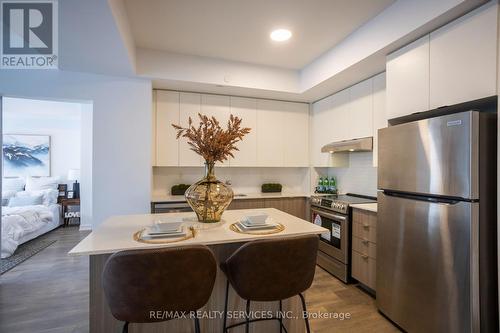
(29,34)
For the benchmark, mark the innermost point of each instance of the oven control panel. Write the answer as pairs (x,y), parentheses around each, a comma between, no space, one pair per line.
(337,206)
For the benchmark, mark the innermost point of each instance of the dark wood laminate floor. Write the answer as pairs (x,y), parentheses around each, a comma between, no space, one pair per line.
(330,295)
(49,293)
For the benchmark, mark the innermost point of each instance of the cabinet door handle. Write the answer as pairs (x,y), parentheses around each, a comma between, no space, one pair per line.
(364,241)
(366,226)
(364,256)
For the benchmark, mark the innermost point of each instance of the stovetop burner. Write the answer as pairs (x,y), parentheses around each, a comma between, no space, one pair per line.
(340,203)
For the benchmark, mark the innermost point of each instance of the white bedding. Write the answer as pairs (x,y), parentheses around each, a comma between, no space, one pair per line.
(20,224)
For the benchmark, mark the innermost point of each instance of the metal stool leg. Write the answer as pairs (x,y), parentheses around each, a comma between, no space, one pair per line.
(196,325)
(224,330)
(125,327)
(305,313)
(247,324)
(281,317)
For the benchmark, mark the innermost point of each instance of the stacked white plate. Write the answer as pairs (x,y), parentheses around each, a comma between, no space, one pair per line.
(256,222)
(164,228)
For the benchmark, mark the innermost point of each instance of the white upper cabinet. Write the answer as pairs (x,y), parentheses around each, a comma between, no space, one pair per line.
(246,109)
(167,113)
(360,122)
(379,111)
(279,135)
(270,140)
(463,57)
(340,117)
(190,106)
(454,64)
(408,79)
(295,120)
(320,131)
(217,106)
(345,115)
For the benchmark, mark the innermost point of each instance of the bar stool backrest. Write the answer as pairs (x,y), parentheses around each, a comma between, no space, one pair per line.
(137,282)
(274,269)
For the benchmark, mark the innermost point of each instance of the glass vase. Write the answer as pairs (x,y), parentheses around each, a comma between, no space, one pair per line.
(209,197)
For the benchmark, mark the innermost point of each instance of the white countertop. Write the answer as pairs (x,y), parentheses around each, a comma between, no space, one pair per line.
(181,198)
(116,233)
(372,207)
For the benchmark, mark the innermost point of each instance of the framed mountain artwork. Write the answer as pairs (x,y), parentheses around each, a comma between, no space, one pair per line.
(26,155)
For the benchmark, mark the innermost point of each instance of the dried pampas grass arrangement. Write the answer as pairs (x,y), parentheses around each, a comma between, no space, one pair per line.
(210,140)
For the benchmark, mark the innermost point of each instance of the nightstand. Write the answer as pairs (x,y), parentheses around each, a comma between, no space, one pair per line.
(65,203)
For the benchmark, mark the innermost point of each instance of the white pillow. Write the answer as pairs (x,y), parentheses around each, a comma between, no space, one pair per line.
(42,183)
(6,195)
(49,197)
(13,184)
(25,201)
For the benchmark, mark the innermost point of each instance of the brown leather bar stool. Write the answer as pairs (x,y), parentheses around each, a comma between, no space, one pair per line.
(269,271)
(178,280)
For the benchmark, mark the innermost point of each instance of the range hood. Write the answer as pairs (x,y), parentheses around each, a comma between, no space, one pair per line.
(361,144)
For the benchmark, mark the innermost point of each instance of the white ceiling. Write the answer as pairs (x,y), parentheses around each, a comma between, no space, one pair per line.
(238,30)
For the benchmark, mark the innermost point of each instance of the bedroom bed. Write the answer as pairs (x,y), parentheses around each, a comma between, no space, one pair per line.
(21,224)
(28,211)
(55,222)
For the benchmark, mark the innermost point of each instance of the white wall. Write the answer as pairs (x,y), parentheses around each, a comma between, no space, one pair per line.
(360,177)
(244,180)
(60,120)
(172,66)
(121,140)
(86,187)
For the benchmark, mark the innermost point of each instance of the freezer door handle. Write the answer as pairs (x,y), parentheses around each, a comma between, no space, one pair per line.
(427,198)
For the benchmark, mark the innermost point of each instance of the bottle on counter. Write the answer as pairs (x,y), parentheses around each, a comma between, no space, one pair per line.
(332,186)
(319,188)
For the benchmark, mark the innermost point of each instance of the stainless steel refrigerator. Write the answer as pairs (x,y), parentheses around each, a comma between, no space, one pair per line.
(436,231)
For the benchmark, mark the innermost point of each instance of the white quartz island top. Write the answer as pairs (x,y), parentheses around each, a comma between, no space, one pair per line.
(371,207)
(116,233)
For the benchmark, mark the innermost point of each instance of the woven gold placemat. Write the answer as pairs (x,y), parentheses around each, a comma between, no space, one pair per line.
(280,227)
(138,237)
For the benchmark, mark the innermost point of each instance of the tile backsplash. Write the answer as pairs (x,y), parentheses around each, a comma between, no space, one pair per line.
(243,180)
(360,177)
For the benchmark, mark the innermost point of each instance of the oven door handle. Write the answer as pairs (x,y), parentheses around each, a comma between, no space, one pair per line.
(332,216)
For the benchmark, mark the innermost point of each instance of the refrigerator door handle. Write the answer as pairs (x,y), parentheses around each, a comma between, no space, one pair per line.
(427,198)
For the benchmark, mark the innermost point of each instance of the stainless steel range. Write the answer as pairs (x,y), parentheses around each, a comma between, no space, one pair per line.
(333,212)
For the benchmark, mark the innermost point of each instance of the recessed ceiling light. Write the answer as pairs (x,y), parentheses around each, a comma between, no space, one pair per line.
(281,35)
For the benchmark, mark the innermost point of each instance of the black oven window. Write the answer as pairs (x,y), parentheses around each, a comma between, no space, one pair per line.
(331,237)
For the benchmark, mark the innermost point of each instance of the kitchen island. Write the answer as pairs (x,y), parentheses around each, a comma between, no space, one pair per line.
(116,234)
